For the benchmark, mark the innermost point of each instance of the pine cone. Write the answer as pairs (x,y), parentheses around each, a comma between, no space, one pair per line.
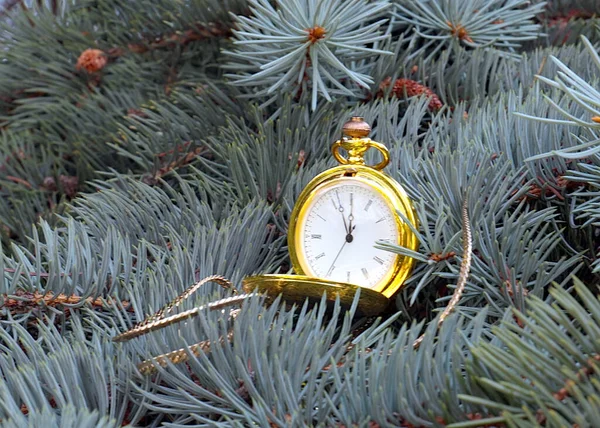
(92,60)
(69,184)
(49,184)
(411,88)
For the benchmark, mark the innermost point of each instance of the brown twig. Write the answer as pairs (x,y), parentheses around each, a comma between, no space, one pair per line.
(459,31)
(551,188)
(583,373)
(315,34)
(24,300)
(441,257)
(8,5)
(565,391)
(198,33)
(181,161)
(19,181)
(562,18)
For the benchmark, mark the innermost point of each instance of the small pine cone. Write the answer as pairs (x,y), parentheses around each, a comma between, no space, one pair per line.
(411,88)
(92,60)
(69,184)
(149,179)
(49,184)
(134,112)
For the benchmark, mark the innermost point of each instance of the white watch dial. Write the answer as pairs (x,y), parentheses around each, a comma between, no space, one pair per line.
(339,230)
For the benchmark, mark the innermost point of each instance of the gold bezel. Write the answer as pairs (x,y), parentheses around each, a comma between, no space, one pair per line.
(297,288)
(391,192)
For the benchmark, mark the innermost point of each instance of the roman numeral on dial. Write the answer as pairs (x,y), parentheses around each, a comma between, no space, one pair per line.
(378,260)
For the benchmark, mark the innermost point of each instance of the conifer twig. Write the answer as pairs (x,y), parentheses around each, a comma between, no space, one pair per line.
(198,33)
(8,5)
(565,391)
(179,162)
(24,299)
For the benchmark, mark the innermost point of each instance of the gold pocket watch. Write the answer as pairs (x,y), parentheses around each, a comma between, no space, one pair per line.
(335,224)
(333,230)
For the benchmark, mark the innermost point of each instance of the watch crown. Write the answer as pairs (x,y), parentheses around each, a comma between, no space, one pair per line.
(356,127)
(356,143)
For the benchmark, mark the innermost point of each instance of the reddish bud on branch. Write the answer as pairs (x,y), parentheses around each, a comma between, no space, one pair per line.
(409,88)
(92,60)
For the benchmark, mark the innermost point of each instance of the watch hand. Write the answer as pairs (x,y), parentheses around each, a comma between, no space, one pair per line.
(335,260)
(349,237)
(340,208)
(351,216)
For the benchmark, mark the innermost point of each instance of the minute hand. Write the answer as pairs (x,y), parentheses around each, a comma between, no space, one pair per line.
(340,208)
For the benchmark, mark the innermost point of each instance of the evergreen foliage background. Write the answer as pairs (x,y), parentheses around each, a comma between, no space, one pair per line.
(175,150)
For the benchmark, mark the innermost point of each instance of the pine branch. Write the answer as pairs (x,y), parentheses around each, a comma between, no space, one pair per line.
(152,172)
(543,382)
(51,372)
(296,46)
(583,95)
(70,417)
(500,24)
(8,5)
(22,301)
(198,32)
(569,9)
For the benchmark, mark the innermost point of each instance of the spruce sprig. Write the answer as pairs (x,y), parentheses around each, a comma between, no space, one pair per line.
(545,365)
(304,45)
(581,94)
(502,24)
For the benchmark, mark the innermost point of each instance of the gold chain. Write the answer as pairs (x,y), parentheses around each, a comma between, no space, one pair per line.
(221,280)
(149,367)
(159,320)
(465,268)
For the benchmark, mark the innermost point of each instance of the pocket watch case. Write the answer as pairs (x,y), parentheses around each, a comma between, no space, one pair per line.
(316,232)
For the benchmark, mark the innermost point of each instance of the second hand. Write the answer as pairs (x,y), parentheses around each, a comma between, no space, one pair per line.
(336,257)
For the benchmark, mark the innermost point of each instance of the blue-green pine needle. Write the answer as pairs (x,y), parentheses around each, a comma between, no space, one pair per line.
(313,45)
